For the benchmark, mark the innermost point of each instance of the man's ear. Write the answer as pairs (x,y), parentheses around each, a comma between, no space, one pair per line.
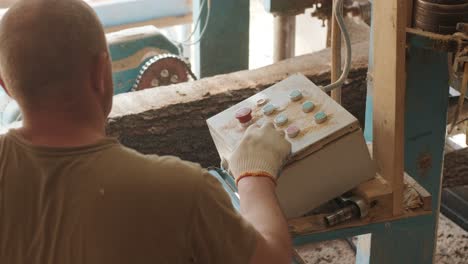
(2,83)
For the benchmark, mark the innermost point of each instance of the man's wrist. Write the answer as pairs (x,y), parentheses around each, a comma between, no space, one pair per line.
(256,174)
(254,177)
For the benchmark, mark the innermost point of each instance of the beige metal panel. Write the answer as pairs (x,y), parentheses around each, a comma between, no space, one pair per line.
(312,135)
(327,160)
(324,175)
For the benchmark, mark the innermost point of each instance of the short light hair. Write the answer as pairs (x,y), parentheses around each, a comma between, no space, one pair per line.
(47,47)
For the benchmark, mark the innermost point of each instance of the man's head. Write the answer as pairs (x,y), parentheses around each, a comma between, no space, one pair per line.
(54,58)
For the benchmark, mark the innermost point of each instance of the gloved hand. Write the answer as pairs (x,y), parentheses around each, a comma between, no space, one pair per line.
(261,151)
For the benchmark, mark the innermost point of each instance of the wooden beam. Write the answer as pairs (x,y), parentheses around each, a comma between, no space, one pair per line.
(378,195)
(389,93)
(315,224)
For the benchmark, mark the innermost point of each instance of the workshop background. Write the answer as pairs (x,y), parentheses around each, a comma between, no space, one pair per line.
(310,37)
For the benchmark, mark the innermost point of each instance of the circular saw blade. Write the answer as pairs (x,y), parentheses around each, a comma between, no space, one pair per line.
(162,70)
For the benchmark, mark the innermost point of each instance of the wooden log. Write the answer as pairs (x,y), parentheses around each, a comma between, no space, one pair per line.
(171,120)
(456,168)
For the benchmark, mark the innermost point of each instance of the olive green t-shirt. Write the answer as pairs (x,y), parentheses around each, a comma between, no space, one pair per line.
(105,203)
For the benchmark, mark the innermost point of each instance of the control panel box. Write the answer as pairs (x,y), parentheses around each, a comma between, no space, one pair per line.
(329,154)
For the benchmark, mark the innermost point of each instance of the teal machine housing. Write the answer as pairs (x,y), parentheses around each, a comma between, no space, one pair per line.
(125,77)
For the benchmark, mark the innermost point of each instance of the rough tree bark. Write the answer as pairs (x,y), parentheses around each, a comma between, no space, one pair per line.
(456,168)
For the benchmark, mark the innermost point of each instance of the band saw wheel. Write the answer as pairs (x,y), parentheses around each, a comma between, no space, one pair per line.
(162,70)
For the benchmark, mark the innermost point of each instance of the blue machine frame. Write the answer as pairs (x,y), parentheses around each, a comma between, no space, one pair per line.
(408,240)
(224,47)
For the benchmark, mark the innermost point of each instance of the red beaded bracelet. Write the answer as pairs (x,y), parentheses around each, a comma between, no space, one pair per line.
(256,174)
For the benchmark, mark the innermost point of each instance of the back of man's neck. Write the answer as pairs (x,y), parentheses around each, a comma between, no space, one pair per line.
(61,136)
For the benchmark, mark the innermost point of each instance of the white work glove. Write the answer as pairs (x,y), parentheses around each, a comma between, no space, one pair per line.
(261,151)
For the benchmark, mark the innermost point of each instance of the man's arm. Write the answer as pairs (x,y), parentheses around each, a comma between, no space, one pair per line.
(259,206)
(256,164)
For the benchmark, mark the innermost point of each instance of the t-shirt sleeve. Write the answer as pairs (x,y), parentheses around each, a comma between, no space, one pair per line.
(218,233)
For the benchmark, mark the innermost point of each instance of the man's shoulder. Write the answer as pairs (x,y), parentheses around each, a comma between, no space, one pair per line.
(164,168)
(162,162)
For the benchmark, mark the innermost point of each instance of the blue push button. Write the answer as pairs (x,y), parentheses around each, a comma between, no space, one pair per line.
(269,109)
(295,95)
(308,107)
(320,117)
(280,120)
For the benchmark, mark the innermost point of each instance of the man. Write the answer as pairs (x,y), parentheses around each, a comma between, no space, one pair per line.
(69,194)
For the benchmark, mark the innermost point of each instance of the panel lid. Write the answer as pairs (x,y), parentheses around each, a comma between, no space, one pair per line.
(291,98)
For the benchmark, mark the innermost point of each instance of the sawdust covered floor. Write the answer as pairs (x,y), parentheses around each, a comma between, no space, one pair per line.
(452,243)
(452,247)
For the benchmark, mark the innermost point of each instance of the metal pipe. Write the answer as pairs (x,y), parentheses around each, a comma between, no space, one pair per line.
(336,54)
(339,17)
(284,37)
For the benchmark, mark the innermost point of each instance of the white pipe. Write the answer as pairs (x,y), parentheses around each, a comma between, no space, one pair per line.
(345,34)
